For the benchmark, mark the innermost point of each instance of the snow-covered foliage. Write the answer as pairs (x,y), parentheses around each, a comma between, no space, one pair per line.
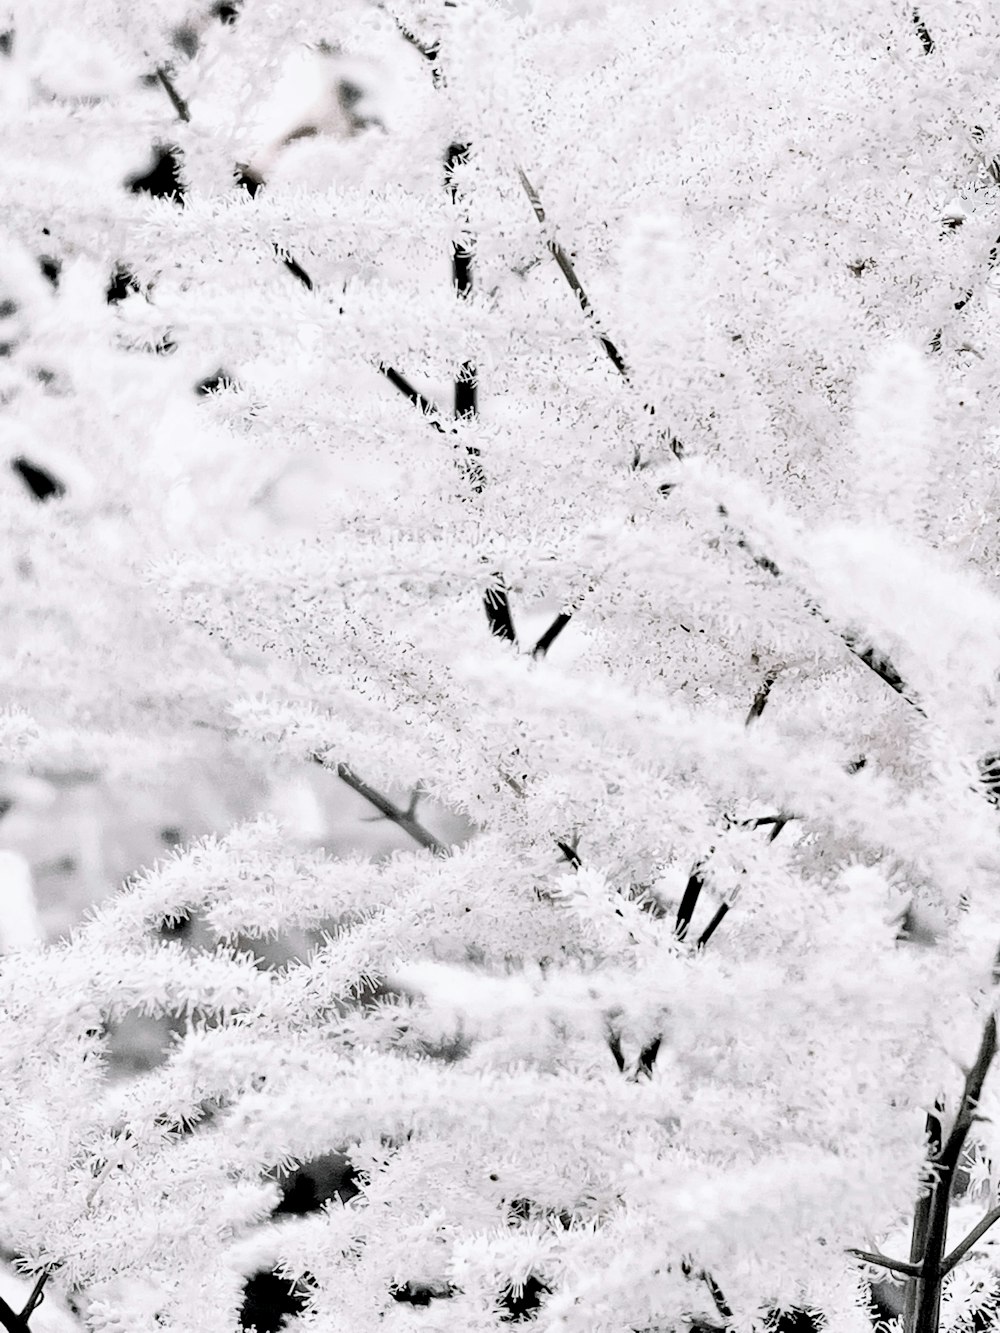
(656,1046)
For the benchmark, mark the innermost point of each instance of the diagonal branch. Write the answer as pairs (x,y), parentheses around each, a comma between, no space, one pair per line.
(893,1265)
(11,1320)
(569,273)
(923,1298)
(875,661)
(36,1297)
(404,819)
(178,103)
(422,404)
(921,1213)
(963,1247)
(971,1093)
(761,697)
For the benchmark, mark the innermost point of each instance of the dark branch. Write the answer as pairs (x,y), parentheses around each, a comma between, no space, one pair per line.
(546,641)
(926,40)
(569,273)
(713,925)
(10,1319)
(403,818)
(922,1212)
(963,1247)
(36,1297)
(893,1265)
(294,268)
(971,1093)
(570,853)
(721,1304)
(926,1299)
(689,901)
(498,612)
(615,1047)
(179,105)
(418,400)
(761,697)
(647,1058)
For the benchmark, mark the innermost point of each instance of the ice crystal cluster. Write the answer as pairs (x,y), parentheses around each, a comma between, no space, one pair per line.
(690,608)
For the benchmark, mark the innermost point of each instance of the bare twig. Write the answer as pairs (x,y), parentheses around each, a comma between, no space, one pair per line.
(874,660)
(179,105)
(403,818)
(430,410)
(921,1213)
(36,1297)
(930,1224)
(689,899)
(761,697)
(963,1247)
(570,853)
(893,1265)
(569,273)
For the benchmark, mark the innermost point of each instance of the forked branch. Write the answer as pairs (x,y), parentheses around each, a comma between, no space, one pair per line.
(403,818)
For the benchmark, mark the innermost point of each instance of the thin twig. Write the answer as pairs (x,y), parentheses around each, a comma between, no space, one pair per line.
(37,1295)
(569,273)
(875,661)
(570,853)
(689,899)
(424,405)
(960,1250)
(761,697)
(179,105)
(403,818)
(714,924)
(893,1265)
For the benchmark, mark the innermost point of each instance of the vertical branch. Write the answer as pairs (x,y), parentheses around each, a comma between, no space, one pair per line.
(923,1308)
(495,600)
(921,1215)
(569,273)
(466,404)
